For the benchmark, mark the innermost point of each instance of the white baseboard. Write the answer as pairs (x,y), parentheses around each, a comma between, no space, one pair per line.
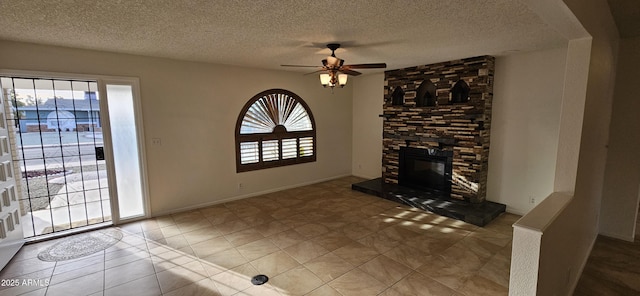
(618,236)
(238,197)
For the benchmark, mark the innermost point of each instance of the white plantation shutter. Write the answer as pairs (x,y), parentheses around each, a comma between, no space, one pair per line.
(306,146)
(289,148)
(249,152)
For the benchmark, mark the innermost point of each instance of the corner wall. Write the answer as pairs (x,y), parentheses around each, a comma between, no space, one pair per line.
(527,98)
(620,195)
(368,98)
(193,107)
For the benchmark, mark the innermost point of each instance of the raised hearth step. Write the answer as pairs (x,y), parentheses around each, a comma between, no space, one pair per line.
(477,214)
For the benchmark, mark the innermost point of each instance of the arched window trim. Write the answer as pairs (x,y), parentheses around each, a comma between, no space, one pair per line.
(277,135)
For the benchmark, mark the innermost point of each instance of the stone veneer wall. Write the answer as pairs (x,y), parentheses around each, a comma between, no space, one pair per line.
(462,128)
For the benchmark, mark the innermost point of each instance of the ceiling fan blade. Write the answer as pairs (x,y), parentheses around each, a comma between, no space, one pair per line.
(367,66)
(314,72)
(349,72)
(304,66)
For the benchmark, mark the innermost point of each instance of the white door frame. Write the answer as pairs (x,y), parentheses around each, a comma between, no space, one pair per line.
(102,80)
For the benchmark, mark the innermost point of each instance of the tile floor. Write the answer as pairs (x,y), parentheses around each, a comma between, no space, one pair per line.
(613,268)
(322,239)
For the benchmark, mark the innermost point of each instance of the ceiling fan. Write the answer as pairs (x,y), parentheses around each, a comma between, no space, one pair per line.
(336,70)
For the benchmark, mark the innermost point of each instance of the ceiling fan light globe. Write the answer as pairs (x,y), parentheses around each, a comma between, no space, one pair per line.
(325,79)
(342,79)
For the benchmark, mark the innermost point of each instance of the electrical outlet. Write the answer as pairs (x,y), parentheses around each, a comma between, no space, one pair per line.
(532,200)
(240,186)
(156,141)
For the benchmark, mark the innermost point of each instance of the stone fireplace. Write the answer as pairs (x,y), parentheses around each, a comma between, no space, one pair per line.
(436,130)
(444,108)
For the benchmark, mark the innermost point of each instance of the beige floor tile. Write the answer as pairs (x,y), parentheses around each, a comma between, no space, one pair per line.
(234,280)
(409,256)
(497,270)
(214,210)
(232,226)
(242,237)
(355,231)
(145,286)
(25,267)
(257,219)
(194,224)
(328,267)
(356,253)
(257,249)
(204,287)
(479,285)
(311,230)
(223,218)
(177,242)
(418,284)
(226,259)
(261,290)
(180,276)
(210,247)
(286,238)
(271,227)
(85,285)
(451,274)
(201,234)
(274,263)
(379,241)
(127,272)
(332,240)
(324,290)
(41,277)
(357,282)
(385,270)
(305,251)
(297,281)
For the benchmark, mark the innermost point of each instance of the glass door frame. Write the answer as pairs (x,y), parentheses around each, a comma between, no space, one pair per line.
(102,81)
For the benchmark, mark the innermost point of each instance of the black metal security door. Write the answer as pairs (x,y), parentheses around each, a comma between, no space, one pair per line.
(55,134)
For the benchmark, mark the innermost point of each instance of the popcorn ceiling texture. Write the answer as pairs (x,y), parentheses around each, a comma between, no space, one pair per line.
(265,34)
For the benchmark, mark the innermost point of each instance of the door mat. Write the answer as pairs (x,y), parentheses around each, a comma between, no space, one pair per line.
(81,245)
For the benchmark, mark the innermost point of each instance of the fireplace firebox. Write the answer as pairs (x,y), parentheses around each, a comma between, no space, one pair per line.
(425,169)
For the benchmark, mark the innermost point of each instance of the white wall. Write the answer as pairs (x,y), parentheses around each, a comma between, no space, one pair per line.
(622,176)
(368,100)
(525,123)
(193,108)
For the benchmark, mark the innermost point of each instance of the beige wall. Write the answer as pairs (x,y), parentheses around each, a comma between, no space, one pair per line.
(193,108)
(368,99)
(527,97)
(622,176)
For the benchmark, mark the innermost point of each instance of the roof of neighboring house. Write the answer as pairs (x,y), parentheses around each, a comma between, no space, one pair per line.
(66,104)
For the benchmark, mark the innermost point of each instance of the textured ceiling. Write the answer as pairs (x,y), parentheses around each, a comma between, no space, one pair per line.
(265,34)
(627,16)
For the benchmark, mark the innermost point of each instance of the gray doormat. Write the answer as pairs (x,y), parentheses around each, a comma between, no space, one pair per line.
(81,245)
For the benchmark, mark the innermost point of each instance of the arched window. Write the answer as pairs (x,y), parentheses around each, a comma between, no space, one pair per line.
(275,128)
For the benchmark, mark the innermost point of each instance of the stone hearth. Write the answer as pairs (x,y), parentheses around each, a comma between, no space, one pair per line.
(479,214)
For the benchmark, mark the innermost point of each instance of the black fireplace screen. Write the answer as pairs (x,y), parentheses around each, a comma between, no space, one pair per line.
(425,169)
